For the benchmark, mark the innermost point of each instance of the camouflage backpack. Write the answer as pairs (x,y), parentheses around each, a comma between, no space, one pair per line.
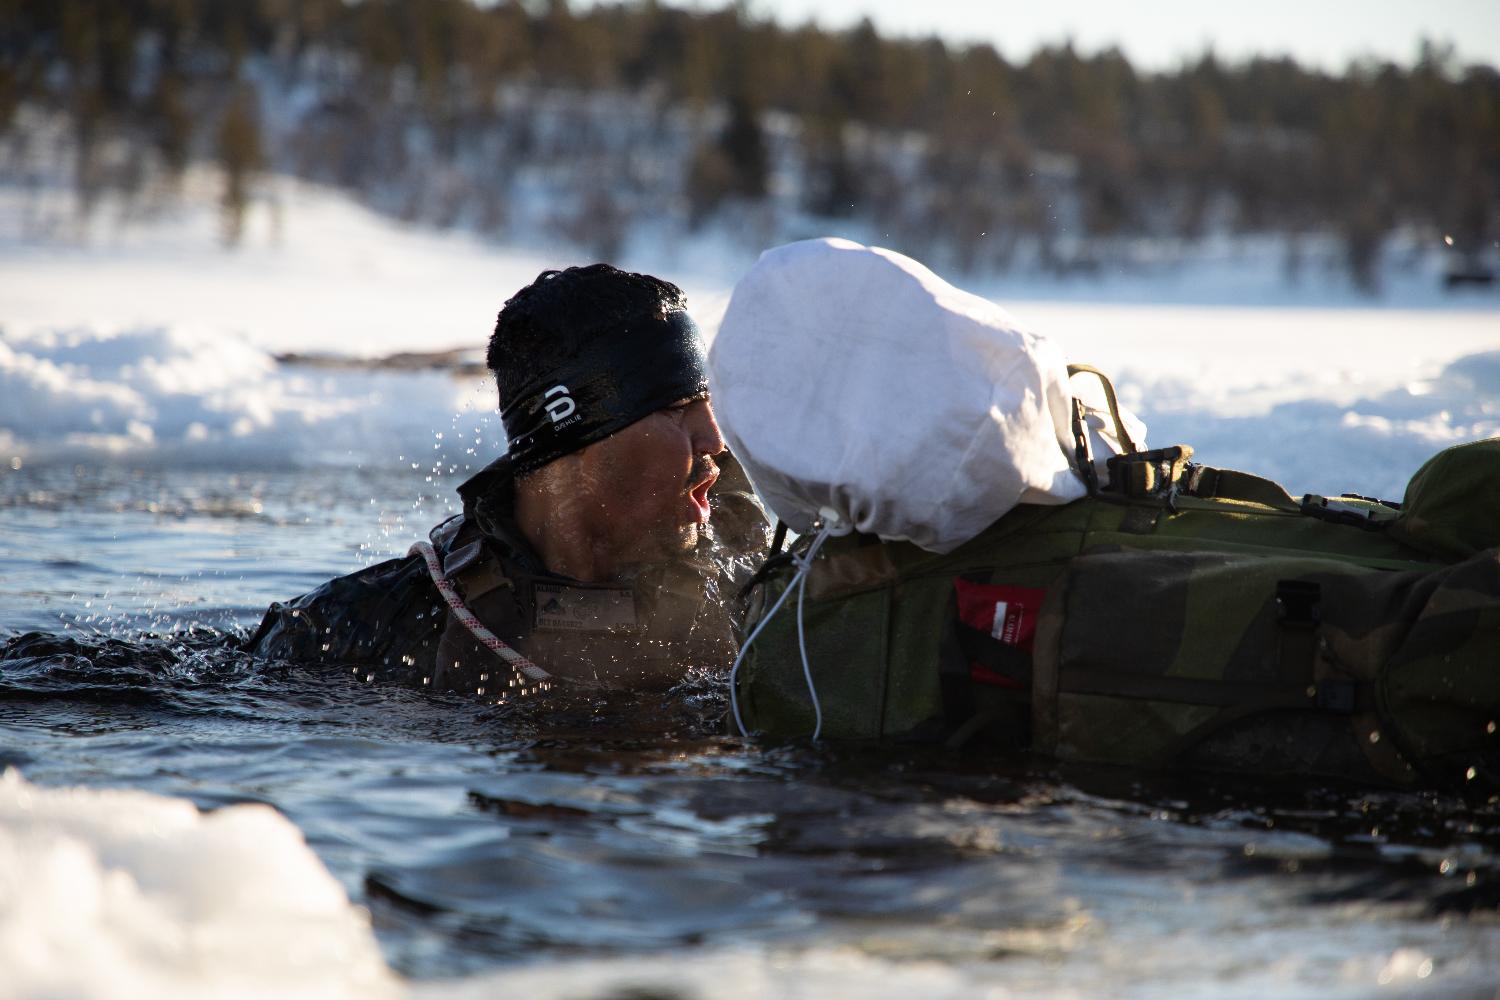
(1181,616)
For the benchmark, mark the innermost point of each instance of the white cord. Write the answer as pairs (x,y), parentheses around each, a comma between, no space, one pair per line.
(825,527)
(734,672)
(812,690)
(520,664)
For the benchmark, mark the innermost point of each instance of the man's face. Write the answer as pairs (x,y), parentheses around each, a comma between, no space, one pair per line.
(648,484)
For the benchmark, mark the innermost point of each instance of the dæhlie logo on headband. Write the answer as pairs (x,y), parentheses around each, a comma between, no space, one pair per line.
(560,405)
(601,385)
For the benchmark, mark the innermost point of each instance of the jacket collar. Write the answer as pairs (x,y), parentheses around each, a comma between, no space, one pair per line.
(489,498)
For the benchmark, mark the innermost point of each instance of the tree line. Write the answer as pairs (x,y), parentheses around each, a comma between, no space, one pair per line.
(939,144)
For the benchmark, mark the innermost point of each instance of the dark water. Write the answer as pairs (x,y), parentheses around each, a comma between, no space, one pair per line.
(599,843)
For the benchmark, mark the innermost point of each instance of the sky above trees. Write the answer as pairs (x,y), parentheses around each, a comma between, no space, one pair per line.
(1160,34)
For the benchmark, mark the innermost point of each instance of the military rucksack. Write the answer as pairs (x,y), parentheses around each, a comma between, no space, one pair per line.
(1178,616)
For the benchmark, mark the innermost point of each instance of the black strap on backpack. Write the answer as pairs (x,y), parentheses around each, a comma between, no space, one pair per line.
(961,648)
(1371,514)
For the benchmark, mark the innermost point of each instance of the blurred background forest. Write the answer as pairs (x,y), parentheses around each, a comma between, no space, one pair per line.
(597,126)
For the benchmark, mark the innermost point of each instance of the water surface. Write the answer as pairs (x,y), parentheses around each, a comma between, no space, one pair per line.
(591,846)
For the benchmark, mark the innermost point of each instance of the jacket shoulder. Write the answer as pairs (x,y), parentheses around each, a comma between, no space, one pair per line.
(384,619)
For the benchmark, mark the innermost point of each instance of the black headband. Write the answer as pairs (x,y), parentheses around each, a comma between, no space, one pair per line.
(607,384)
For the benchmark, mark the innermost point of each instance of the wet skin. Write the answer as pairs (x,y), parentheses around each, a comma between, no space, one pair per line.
(637,496)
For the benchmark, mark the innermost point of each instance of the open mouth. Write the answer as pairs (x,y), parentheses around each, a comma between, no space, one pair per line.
(699,497)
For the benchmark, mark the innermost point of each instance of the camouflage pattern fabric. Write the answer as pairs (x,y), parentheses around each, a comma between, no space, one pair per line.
(1452,505)
(1214,633)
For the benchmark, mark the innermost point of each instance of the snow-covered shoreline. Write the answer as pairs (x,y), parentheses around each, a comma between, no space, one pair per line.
(157,345)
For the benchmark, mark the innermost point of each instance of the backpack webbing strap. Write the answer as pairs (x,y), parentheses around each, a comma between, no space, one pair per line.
(993,655)
(1297,617)
(966,712)
(1253,695)
(1227,484)
(1334,695)
(1121,434)
(955,685)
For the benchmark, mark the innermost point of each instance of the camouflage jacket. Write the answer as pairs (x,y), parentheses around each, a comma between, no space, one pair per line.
(388,622)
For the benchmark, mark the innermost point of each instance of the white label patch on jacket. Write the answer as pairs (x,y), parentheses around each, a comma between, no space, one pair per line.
(585,609)
(1006,625)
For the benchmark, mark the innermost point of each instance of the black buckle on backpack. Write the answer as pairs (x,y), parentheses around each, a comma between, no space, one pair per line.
(1297,603)
(1148,473)
(1341,511)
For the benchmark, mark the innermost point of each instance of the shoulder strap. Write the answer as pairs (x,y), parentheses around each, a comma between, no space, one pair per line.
(1114,404)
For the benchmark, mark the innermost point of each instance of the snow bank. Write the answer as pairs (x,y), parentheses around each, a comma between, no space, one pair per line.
(1060,962)
(1325,418)
(316,272)
(1321,443)
(124,893)
(152,341)
(1322,400)
(199,395)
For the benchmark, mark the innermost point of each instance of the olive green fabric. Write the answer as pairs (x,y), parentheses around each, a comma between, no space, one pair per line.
(1452,505)
(1167,638)
(1441,687)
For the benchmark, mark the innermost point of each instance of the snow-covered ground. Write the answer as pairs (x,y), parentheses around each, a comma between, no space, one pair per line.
(118,893)
(152,342)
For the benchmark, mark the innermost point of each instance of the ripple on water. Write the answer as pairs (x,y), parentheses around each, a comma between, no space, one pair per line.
(596,830)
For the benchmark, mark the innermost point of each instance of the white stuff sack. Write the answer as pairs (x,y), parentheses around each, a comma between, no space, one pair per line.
(853,378)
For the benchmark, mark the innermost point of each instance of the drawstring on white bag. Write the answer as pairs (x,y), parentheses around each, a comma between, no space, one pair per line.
(829,523)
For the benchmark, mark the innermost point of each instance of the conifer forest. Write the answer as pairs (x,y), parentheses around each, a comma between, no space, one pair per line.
(591,124)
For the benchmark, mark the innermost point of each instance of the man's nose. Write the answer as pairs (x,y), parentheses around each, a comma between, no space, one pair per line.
(707,438)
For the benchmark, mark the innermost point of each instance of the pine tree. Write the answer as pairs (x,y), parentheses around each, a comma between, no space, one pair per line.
(240,155)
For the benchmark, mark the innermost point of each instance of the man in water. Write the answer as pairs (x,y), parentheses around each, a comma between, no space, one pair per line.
(602,546)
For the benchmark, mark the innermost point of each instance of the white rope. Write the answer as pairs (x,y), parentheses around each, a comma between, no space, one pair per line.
(825,527)
(518,663)
(812,690)
(734,672)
